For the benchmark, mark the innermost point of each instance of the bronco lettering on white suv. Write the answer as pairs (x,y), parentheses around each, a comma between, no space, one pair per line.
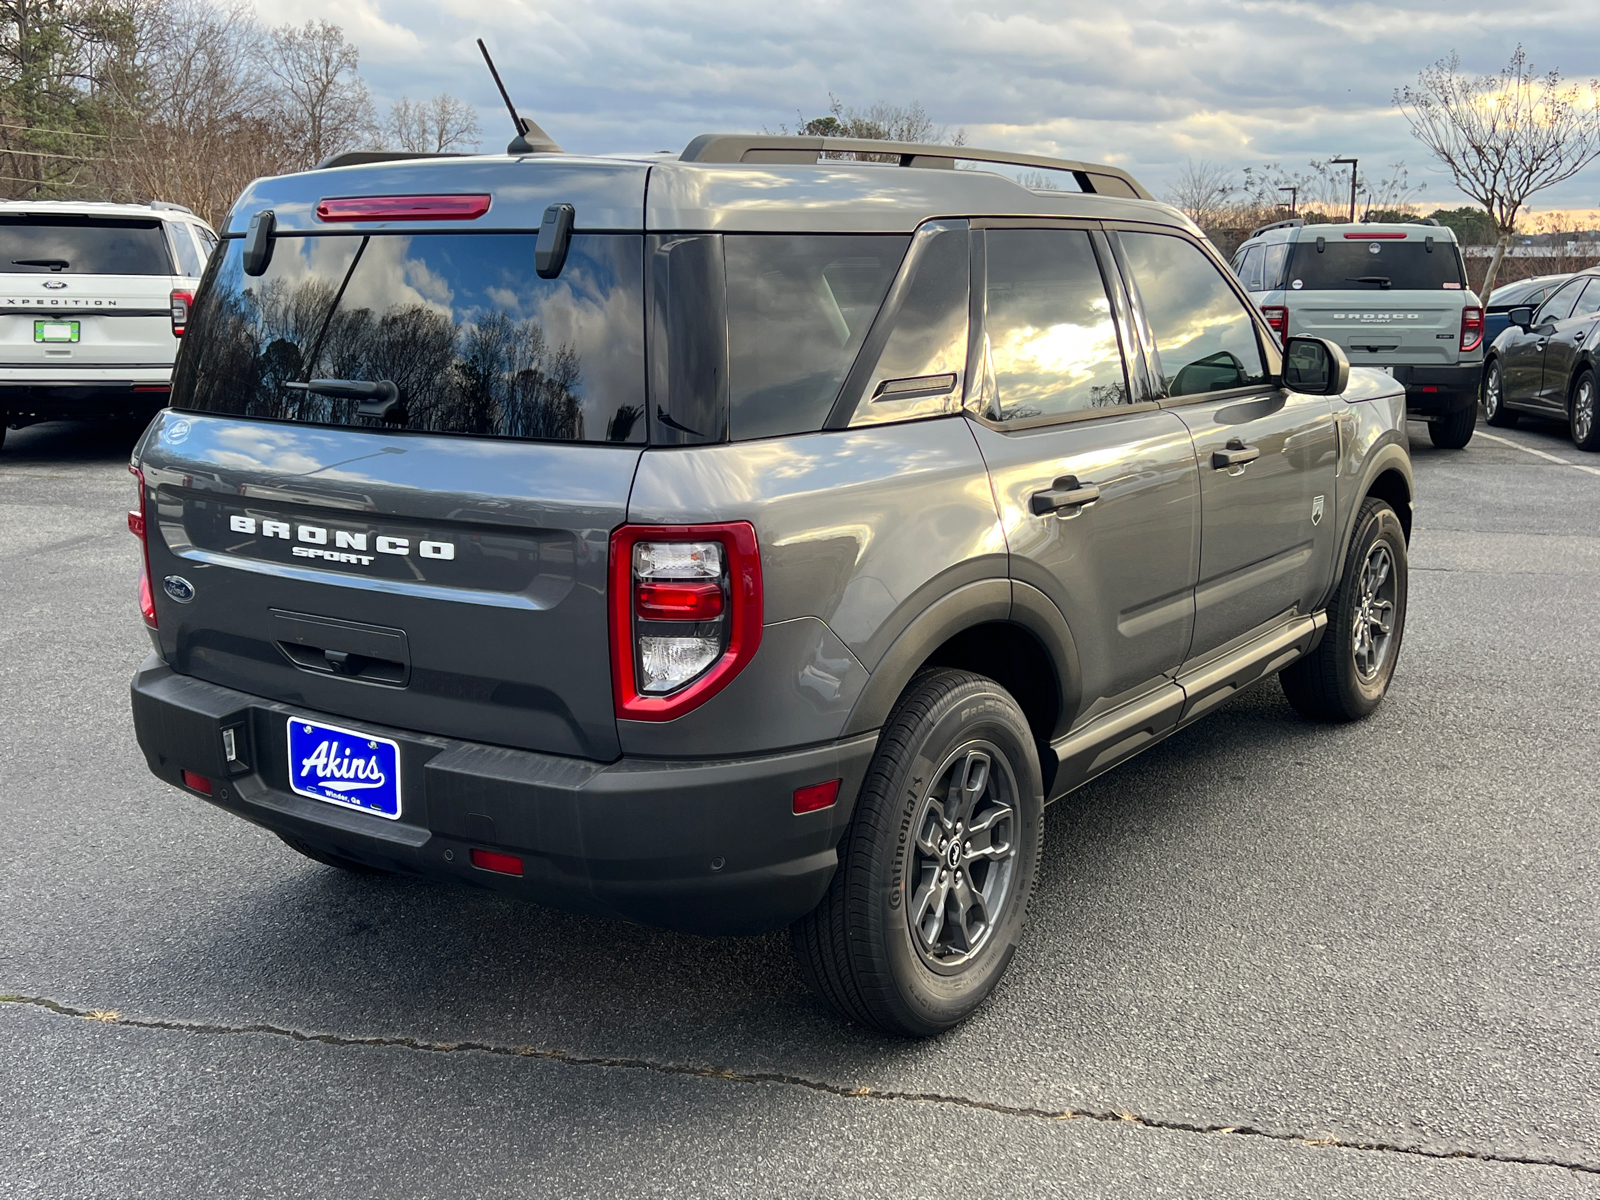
(750,538)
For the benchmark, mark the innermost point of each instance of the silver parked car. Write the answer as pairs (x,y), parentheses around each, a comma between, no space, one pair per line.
(743,539)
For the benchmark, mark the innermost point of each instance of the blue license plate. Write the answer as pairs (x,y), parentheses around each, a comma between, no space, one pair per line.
(344,767)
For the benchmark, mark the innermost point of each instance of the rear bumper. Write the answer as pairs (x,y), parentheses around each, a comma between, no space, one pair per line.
(710,847)
(22,401)
(1440,391)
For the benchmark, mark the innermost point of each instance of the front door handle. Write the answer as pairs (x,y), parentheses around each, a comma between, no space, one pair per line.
(1237,454)
(1578,337)
(1064,493)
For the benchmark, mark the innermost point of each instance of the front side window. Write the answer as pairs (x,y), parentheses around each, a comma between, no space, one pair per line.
(473,339)
(1559,306)
(1205,336)
(799,306)
(1589,303)
(64,244)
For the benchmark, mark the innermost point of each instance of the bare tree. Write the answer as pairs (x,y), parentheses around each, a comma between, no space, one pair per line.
(432,126)
(1201,192)
(326,108)
(1503,137)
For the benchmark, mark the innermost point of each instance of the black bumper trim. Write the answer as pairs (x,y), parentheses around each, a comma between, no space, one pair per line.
(709,847)
(1454,388)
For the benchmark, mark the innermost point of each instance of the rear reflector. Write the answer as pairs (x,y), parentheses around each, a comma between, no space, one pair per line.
(402,208)
(816,796)
(1375,237)
(504,864)
(152,387)
(197,783)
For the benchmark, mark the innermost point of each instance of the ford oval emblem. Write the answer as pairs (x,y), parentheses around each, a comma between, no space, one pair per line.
(179,588)
(55,284)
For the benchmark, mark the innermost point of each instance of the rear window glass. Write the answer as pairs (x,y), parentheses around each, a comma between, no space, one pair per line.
(62,244)
(473,339)
(1345,265)
(798,310)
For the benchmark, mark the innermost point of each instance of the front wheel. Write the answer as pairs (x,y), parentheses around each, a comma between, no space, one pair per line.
(1585,426)
(1494,400)
(937,868)
(1454,431)
(1346,676)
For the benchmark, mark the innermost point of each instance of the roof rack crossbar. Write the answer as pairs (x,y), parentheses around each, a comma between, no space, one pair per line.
(1095,178)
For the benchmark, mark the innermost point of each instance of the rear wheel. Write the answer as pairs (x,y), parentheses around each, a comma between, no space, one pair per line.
(1494,401)
(1585,422)
(329,857)
(937,868)
(1454,431)
(1346,676)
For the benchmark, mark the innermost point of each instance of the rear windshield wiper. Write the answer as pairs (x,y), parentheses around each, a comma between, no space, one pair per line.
(1381,280)
(380,400)
(55,264)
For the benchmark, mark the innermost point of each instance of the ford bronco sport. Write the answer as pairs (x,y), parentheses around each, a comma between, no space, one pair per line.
(750,538)
(94,297)
(1394,296)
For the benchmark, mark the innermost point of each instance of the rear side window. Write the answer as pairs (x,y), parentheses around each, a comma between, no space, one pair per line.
(64,244)
(1272,266)
(799,307)
(473,339)
(1051,339)
(190,261)
(1250,272)
(1369,264)
(1205,336)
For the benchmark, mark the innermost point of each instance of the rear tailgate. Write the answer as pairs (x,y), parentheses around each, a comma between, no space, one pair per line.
(448,585)
(1415,328)
(85,321)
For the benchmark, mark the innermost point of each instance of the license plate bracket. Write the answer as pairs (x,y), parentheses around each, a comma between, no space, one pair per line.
(344,767)
(56,331)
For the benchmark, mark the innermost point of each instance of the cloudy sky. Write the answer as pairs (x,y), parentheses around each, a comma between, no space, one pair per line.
(1144,83)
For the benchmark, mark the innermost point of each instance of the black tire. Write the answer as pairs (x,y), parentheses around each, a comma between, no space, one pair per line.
(1583,412)
(1495,409)
(857,949)
(1344,678)
(1454,431)
(329,857)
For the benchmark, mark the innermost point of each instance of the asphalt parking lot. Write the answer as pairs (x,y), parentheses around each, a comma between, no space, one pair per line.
(1267,958)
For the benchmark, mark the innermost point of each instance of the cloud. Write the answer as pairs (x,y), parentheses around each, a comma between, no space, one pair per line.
(1145,83)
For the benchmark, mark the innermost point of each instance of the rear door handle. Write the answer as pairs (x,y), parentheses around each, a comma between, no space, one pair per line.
(1237,454)
(1065,492)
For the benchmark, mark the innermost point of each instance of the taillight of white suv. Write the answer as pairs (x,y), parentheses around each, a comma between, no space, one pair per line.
(1471,327)
(685,614)
(182,302)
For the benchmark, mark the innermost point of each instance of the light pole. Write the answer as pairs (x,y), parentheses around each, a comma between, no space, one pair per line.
(1294,195)
(1352,162)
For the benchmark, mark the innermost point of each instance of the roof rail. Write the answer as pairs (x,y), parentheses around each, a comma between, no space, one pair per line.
(169,206)
(1291,223)
(1095,178)
(358,158)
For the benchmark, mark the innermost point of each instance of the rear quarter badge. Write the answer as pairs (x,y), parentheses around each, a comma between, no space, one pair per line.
(1316,510)
(179,588)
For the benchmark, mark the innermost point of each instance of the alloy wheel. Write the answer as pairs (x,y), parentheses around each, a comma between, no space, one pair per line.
(965,856)
(1583,410)
(1374,614)
(1491,392)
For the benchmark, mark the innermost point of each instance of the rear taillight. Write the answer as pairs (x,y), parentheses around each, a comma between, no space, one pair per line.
(685,614)
(1471,328)
(139,527)
(182,301)
(1277,319)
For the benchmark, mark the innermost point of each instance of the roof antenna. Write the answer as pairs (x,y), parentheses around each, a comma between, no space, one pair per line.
(530,138)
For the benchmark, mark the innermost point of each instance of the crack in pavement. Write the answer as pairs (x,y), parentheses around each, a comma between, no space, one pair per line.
(567,1058)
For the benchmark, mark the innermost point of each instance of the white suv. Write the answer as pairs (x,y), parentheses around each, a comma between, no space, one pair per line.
(93,300)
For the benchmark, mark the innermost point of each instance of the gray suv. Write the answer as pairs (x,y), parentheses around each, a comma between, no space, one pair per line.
(751,538)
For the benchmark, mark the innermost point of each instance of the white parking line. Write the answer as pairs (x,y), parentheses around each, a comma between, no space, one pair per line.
(1540,453)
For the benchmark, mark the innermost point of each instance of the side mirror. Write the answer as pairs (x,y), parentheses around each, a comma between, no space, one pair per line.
(1521,317)
(1315,367)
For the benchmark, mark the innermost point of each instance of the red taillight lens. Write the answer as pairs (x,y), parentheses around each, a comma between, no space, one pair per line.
(139,527)
(1471,328)
(678,601)
(1277,319)
(182,301)
(402,208)
(198,783)
(685,614)
(504,864)
(817,796)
